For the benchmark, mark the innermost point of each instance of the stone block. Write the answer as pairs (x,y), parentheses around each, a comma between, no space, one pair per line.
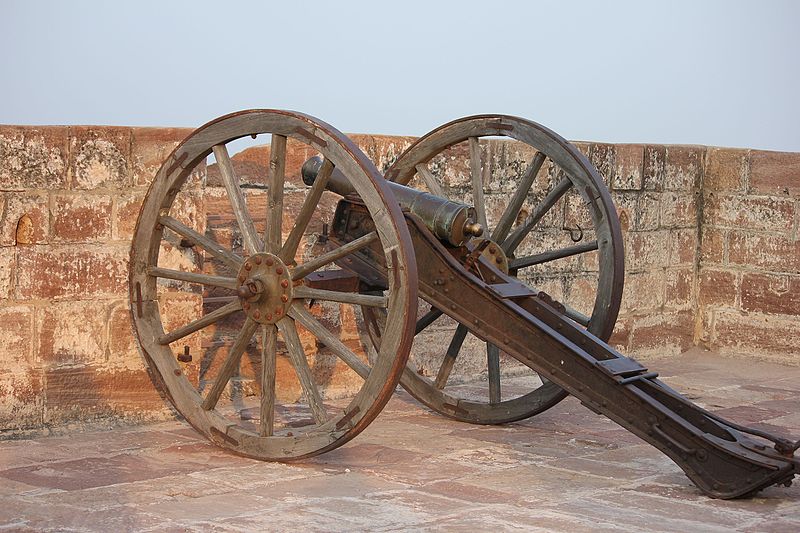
(644,292)
(16,338)
(602,156)
(72,332)
(726,169)
(682,246)
(683,167)
(758,335)
(717,287)
(750,212)
(150,147)
(21,400)
(81,217)
(662,334)
(100,157)
(33,157)
(679,283)
(647,250)
(8,261)
(25,220)
(70,272)
(654,166)
(122,350)
(628,167)
(678,210)
(626,205)
(771,293)
(127,206)
(775,173)
(771,252)
(647,212)
(712,244)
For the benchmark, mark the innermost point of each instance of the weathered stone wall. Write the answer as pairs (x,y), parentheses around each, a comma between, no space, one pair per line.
(711,235)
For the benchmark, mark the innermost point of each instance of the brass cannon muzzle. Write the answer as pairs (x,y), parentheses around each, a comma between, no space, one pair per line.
(451,221)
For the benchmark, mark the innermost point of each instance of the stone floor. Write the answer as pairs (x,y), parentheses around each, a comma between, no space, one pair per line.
(565,470)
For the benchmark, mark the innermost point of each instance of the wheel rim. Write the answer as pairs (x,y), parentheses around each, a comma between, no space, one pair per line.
(267,289)
(576,176)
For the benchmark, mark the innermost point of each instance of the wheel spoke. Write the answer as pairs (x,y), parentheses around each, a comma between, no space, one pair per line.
(289,249)
(277,166)
(230,259)
(201,322)
(268,343)
(512,210)
(192,277)
(329,257)
(546,257)
(541,210)
(299,313)
(252,242)
(231,364)
(341,297)
(298,358)
(450,357)
(493,365)
(477,182)
(427,319)
(430,181)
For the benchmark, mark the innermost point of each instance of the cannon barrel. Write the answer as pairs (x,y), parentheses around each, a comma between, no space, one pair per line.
(451,221)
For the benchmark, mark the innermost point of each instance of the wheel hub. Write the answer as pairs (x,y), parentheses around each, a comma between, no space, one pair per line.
(264,287)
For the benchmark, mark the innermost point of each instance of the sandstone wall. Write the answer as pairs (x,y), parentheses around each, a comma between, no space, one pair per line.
(711,235)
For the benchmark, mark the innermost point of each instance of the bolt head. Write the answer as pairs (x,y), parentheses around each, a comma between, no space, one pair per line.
(257,260)
(284,298)
(257,314)
(285,283)
(269,261)
(269,316)
(279,270)
(248,266)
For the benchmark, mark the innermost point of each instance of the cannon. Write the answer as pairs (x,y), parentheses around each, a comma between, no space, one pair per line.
(402,259)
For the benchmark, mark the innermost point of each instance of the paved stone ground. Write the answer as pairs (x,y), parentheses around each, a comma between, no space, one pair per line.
(565,470)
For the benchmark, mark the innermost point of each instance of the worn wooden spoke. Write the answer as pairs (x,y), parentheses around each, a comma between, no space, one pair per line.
(275,179)
(477,181)
(297,356)
(192,277)
(493,367)
(231,364)
(512,210)
(289,249)
(252,242)
(552,255)
(427,319)
(299,313)
(341,297)
(536,215)
(269,334)
(230,259)
(430,180)
(201,322)
(329,257)
(450,357)
(577,316)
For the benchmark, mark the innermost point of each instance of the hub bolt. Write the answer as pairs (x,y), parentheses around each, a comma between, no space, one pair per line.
(257,314)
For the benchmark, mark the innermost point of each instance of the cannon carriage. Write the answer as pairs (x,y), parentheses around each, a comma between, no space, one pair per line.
(403,259)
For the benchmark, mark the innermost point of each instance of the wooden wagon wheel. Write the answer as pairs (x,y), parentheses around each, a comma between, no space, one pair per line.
(266,287)
(571,174)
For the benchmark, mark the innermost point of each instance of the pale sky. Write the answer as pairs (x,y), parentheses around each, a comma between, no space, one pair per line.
(723,73)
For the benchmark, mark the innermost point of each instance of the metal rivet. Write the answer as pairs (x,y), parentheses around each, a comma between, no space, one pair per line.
(284,298)
(278,311)
(269,316)
(257,260)
(279,270)
(285,283)
(257,314)
(269,261)
(248,266)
